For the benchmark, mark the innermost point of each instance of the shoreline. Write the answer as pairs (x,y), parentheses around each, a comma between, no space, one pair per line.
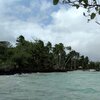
(30,72)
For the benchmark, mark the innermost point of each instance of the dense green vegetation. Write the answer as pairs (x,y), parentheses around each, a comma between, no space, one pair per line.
(38,56)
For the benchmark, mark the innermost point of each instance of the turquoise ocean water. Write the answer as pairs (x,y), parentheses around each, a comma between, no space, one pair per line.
(75,85)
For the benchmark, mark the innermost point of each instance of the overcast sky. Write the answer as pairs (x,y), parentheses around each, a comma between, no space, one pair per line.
(39,19)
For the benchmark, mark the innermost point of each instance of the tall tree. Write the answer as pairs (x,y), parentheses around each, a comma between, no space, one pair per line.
(59,55)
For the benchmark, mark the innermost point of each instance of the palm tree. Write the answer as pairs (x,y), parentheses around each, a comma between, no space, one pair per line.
(76,57)
(59,55)
(72,58)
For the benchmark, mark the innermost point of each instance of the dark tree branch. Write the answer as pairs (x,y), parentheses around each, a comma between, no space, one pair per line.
(97,22)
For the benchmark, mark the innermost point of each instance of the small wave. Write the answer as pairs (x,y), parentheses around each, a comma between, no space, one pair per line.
(87,90)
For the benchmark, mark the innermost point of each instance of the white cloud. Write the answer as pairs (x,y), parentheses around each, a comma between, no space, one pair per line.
(45,5)
(75,31)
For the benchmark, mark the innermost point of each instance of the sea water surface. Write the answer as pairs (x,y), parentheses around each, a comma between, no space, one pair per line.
(75,85)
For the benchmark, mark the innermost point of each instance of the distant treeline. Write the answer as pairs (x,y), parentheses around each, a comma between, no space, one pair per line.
(37,56)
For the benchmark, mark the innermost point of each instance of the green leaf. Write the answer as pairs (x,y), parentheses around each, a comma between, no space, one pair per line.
(99,11)
(80,1)
(55,2)
(94,1)
(68,0)
(84,14)
(96,8)
(76,5)
(85,6)
(85,1)
(88,20)
(93,15)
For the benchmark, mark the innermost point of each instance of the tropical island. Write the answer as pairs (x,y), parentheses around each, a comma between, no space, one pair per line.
(37,56)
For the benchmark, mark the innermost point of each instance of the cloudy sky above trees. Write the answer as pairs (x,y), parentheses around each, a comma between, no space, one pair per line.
(40,19)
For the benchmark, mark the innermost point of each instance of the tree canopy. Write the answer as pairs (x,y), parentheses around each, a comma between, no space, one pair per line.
(38,56)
